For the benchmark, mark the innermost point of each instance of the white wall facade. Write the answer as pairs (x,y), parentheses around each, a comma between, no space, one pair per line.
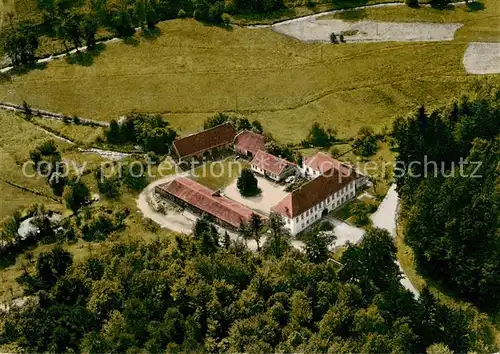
(309,217)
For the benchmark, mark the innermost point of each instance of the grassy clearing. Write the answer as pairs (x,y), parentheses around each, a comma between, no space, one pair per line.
(192,71)
(17,138)
(20,190)
(80,134)
(481,19)
(218,175)
(379,166)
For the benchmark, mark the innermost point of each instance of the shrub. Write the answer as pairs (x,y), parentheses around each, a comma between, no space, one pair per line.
(181,13)
(366,142)
(319,136)
(412,3)
(226,19)
(333,38)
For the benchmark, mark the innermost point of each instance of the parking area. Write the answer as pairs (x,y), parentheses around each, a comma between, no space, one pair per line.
(271,194)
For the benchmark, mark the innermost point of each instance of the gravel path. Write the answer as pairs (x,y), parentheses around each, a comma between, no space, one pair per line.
(482,58)
(385,218)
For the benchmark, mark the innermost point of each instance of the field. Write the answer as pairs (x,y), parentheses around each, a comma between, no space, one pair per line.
(80,134)
(17,138)
(481,19)
(192,71)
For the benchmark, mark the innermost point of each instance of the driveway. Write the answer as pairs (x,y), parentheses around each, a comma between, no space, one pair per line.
(272,193)
(385,218)
(345,232)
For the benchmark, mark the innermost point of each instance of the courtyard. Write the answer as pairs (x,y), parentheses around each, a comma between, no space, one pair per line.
(271,194)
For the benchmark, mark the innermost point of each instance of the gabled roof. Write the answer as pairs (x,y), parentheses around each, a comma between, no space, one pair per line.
(270,163)
(208,201)
(312,193)
(205,140)
(249,141)
(323,162)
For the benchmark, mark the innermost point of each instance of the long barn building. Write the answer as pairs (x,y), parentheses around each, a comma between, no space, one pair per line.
(200,199)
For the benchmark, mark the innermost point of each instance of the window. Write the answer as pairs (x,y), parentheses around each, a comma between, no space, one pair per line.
(302,226)
(302,217)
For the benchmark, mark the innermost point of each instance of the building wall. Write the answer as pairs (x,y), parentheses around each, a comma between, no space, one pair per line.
(192,208)
(277,178)
(309,217)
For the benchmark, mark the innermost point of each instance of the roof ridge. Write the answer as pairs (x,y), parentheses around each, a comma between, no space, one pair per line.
(216,200)
(205,130)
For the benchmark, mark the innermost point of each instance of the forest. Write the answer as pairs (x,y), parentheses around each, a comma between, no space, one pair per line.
(208,293)
(451,197)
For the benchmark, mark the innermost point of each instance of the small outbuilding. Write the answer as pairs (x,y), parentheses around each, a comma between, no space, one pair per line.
(276,168)
(247,143)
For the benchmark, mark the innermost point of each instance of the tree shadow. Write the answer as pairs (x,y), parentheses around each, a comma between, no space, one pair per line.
(266,17)
(344,4)
(351,15)
(475,6)
(131,41)
(223,26)
(5,77)
(24,69)
(86,58)
(151,33)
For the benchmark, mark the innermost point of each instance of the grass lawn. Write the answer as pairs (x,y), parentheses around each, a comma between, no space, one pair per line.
(80,134)
(217,175)
(17,138)
(192,71)
(378,166)
(481,19)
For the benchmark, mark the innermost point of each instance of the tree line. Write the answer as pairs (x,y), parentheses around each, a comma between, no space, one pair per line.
(451,196)
(77,22)
(208,293)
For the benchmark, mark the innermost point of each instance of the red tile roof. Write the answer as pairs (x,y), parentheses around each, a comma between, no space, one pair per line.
(249,141)
(322,162)
(270,163)
(208,201)
(208,139)
(312,193)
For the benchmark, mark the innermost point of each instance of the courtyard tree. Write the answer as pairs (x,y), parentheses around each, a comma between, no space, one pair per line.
(247,183)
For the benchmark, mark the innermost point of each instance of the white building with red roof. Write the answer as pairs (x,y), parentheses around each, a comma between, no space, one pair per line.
(321,162)
(188,193)
(315,199)
(272,166)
